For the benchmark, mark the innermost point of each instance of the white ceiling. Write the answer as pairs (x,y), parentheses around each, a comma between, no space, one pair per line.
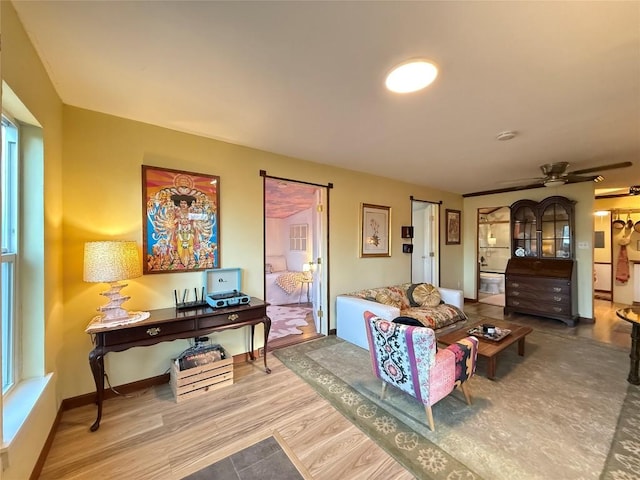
(305,79)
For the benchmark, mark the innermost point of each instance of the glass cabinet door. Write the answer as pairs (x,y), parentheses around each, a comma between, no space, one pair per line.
(543,229)
(556,240)
(524,232)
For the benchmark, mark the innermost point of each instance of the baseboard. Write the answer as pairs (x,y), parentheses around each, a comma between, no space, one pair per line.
(44,453)
(470,300)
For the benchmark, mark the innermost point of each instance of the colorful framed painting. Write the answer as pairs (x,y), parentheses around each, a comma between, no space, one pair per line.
(375,239)
(453,227)
(181,224)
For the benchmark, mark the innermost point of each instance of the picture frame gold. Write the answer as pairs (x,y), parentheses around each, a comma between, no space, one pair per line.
(181,220)
(452,226)
(375,230)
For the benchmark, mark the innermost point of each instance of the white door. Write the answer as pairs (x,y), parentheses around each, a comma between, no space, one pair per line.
(425,258)
(319,297)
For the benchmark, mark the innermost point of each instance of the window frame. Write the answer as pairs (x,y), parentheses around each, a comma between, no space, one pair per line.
(10,241)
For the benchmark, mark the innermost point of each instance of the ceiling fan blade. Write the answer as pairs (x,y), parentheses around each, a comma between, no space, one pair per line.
(503,190)
(601,168)
(572,178)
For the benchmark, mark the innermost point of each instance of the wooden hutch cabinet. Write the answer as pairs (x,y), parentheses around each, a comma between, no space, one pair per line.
(540,278)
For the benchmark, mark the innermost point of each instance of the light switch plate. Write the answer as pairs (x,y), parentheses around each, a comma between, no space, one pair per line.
(583,244)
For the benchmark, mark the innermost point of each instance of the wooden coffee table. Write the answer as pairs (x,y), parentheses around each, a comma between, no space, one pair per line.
(488,348)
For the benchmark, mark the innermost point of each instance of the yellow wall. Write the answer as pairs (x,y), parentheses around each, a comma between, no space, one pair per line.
(582,193)
(25,74)
(102,199)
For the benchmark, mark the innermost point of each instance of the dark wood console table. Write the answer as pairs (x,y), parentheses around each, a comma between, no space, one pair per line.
(168,324)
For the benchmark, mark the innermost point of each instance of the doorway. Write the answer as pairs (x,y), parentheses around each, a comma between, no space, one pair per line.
(425,258)
(295,246)
(493,253)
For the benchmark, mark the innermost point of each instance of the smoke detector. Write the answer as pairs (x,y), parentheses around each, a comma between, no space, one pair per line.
(507,135)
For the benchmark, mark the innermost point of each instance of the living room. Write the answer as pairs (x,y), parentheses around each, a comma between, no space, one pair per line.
(87,186)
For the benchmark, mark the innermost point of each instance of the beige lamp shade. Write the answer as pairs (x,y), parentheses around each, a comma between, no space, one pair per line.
(111,261)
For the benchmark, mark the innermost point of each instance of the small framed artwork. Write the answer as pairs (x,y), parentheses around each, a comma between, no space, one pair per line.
(375,239)
(407,232)
(453,227)
(181,220)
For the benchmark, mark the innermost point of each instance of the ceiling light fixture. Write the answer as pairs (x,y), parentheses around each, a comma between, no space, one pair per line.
(411,76)
(634,190)
(554,182)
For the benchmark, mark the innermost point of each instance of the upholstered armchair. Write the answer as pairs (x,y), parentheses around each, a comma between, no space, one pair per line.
(405,357)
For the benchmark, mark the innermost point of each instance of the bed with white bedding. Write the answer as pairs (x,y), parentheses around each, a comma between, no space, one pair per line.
(282,286)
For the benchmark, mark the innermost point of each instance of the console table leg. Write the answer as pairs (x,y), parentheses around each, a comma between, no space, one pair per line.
(96,362)
(251,355)
(634,355)
(267,329)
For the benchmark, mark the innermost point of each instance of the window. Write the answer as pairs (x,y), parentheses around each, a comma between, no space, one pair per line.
(298,237)
(9,240)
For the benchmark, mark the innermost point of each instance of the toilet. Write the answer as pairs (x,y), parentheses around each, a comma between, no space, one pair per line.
(491,283)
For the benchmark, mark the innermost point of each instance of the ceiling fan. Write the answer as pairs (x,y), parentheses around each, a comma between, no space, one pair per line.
(555,174)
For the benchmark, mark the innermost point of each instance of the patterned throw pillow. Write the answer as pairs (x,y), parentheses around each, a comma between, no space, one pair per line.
(424,295)
(387,299)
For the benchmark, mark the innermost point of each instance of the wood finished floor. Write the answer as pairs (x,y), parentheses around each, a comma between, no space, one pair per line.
(149,436)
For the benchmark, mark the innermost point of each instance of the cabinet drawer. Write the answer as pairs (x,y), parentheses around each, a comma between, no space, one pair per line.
(537,287)
(136,334)
(546,297)
(541,308)
(231,317)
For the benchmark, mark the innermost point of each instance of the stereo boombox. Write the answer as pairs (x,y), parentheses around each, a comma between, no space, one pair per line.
(223,288)
(230,299)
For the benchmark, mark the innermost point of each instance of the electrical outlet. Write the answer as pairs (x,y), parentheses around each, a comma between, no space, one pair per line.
(261,352)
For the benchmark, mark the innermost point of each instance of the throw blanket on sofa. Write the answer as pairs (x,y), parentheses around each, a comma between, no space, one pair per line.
(402,297)
(289,280)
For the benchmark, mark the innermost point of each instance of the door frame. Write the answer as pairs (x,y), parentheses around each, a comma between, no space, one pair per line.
(321,311)
(428,244)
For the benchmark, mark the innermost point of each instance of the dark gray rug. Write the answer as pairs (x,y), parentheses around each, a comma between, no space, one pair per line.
(553,413)
(266,460)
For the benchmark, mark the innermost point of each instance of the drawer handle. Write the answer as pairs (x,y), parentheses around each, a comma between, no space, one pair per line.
(515,302)
(515,294)
(557,309)
(152,332)
(557,299)
(514,284)
(233,316)
(557,289)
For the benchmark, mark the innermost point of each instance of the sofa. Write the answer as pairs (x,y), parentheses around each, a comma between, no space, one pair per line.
(433,307)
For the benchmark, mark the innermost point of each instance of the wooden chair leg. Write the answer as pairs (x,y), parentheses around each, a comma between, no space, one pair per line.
(467,394)
(384,390)
(430,417)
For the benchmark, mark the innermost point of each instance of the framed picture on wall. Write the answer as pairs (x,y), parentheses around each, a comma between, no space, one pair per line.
(181,228)
(375,240)
(453,227)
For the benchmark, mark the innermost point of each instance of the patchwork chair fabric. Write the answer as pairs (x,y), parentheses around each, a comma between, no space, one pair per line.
(405,356)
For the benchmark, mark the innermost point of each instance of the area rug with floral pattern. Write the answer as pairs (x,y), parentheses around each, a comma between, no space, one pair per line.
(563,410)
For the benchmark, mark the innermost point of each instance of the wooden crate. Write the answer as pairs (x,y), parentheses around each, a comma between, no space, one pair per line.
(199,380)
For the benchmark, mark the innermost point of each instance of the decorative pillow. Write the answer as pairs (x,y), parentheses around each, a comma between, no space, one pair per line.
(424,295)
(387,299)
(268,268)
(278,263)
(408,321)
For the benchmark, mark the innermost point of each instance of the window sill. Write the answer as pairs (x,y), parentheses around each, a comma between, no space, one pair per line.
(18,405)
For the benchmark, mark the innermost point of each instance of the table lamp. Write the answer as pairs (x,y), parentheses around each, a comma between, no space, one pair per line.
(110,262)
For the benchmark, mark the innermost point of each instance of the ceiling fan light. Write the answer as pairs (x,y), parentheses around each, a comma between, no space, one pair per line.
(554,182)
(411,76)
